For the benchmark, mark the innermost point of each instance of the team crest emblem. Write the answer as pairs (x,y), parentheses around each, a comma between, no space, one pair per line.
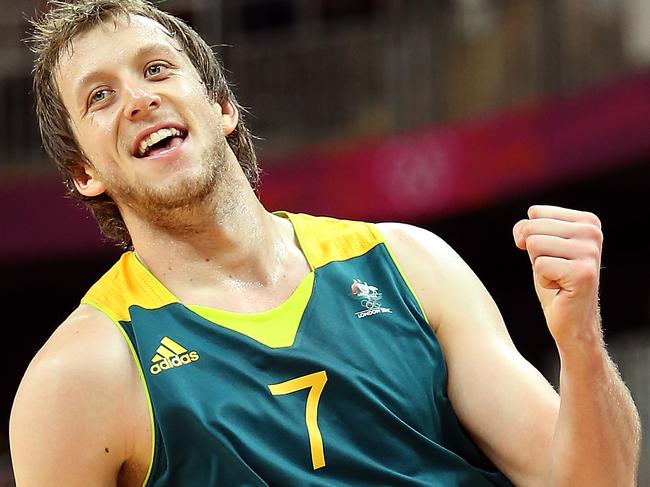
(370,298)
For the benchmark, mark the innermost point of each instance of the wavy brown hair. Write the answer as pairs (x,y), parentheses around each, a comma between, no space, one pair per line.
(53,33)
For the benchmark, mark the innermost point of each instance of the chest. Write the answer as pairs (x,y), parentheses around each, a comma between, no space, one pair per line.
(296,388)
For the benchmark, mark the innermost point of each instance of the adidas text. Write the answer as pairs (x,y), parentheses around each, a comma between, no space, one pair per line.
(174,361)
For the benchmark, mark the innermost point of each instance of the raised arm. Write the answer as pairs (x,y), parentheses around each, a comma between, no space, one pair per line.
(70,423)
(597,434)
(510,410)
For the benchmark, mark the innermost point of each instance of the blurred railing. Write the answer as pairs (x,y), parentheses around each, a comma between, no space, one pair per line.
(330,71)
(19,136)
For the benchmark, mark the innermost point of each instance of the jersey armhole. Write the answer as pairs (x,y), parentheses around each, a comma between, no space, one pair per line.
(401,272)
(143,381)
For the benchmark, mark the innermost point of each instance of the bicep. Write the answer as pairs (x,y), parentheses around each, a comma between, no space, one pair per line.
(505,404)
(502,400)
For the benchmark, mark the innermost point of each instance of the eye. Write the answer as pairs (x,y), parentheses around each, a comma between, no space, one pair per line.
(155,70)
(99,96)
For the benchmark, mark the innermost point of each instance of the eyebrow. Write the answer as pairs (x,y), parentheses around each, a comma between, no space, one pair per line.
(142,51)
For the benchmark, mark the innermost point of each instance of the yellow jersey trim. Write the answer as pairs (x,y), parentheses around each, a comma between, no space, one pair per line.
(127,283)
(408,284)
(275,328)
(321,239)
(149,405)
(330,239)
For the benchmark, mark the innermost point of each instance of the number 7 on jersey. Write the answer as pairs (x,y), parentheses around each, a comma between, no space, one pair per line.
(315,383)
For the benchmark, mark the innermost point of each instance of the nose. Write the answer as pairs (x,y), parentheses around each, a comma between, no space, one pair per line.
(139,101)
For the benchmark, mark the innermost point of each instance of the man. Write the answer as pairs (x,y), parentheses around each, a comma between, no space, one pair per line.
(237,347)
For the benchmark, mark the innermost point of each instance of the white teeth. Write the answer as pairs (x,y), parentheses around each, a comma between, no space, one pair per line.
(156,137)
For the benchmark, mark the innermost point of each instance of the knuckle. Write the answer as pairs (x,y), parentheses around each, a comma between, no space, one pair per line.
(593,252)
(585,272)
(592,232)
(539,264)
(532,242)
(592,219)
(599,237)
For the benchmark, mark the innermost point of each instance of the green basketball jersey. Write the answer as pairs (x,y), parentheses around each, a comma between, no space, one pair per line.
(341,385)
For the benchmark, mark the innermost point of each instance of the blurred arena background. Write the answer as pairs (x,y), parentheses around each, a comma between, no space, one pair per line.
(455,115)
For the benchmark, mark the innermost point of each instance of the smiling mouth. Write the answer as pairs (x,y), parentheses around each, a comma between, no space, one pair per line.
(160,141)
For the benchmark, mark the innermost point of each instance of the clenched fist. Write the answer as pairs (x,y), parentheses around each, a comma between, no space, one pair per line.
(564,247)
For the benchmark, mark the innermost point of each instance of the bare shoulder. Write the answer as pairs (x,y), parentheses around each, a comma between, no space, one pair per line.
(407,233)
(76,354)
(68,425)
(437,273)
(410,242)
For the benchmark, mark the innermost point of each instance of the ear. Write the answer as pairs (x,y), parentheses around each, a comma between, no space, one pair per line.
(87,182)
(229,117)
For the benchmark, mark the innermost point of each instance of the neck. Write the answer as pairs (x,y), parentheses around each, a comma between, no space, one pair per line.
(227,242)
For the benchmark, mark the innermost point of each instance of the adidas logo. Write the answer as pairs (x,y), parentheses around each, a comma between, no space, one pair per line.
(169,355)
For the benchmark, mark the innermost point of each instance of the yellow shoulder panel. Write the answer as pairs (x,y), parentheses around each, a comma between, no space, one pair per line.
(324,240)
(127,283)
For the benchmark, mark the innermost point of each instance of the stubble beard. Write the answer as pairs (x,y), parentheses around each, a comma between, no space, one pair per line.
(178,206)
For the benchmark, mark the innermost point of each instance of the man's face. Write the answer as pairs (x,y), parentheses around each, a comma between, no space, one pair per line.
(142,116)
